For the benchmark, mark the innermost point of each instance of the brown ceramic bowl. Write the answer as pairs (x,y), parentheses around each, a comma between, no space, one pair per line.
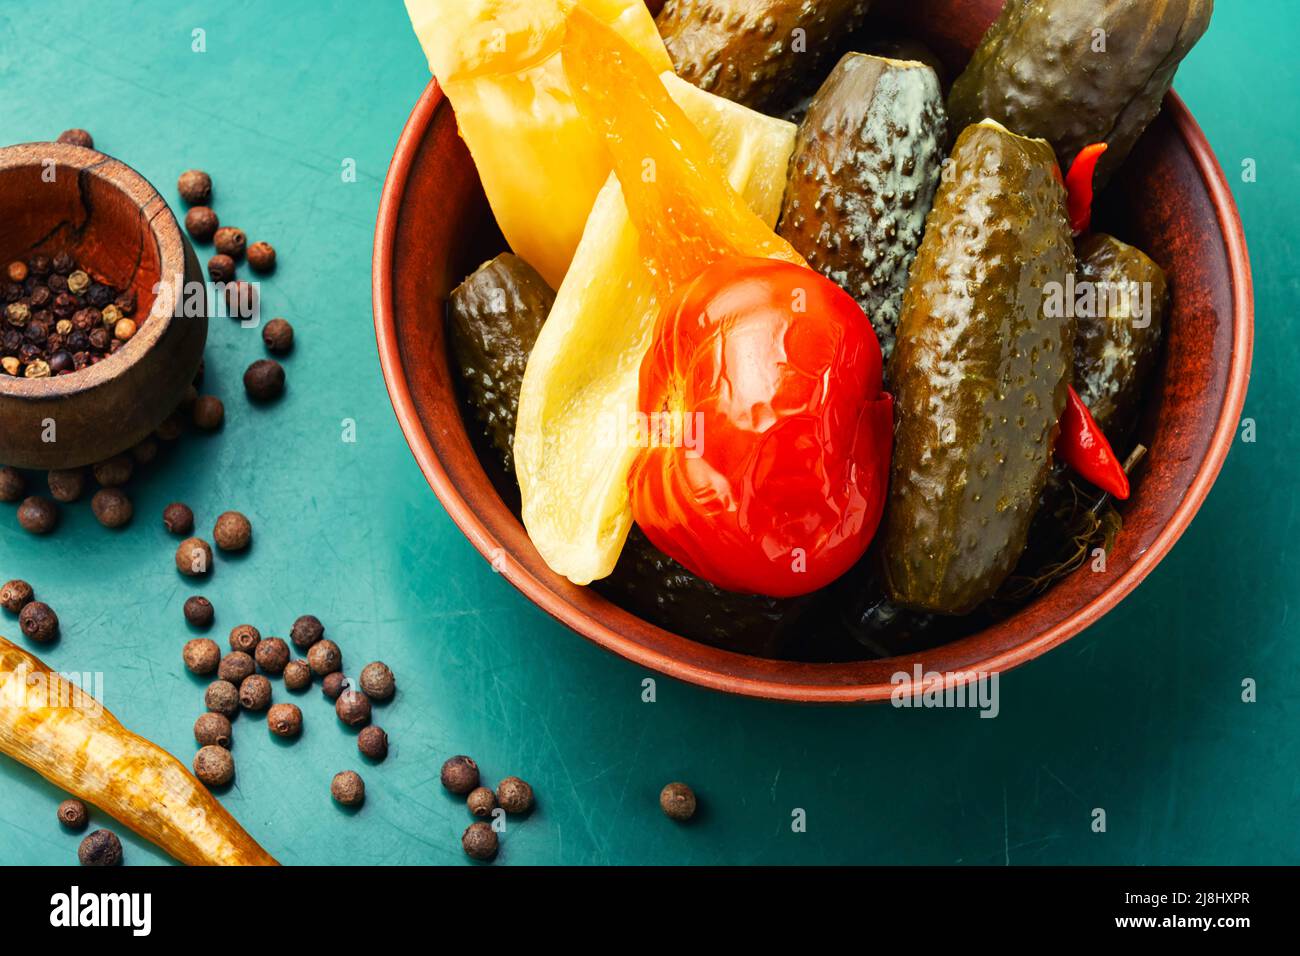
(60,198)
(434,227)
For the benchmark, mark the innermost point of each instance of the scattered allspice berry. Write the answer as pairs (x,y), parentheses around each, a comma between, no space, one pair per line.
(514,795)
(214,766)
(297,675)
(195,187)
(230,241)
(72,814)
(255,693)
(39,622)
(334,684)
(264,380)
(77,137)
(67,484)
(194,557)
(208,413)
(245,637)
(306,631)
(171,427)
(272,655)
(12,484)
(324,657)
(348,788)
(15,595)
(377,681)
(178,518)
(236,666)
(277,336)
(114,472)
(232,532)
(221,268)
(481,801)
(199,611)
(201,223)
(460,774)
(222,697)
(373,742)
(112,508)
(480,841)
(212,730)
(261,257)
(145,452)
(677,801)
(284,720)
(100,848)
(201,656)
(38,515)
(352,707)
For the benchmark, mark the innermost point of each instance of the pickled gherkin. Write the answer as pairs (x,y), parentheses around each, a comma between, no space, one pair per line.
(758,53)
(980,373)
(862,178)
(1076,72)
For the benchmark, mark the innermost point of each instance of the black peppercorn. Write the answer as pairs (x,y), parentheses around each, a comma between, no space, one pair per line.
(481,802)
(212,730)
(264,380)
(277,336)
(245,638)
(214,766)
(221,268)
(39,622)
(72,814)
(373,743)
(334,684)
(352,707)
(195,187)
(201,223)
(514,795)
(480,841)
(38,515)
(272,655)
(377,681)
(15,595)
(677,801)
(348,788)
(232,532)
(460,774)
(114,472)
(230,241)
(255,693)
(77,137)
(199,611)
(112,508)
(201,656)
(222,697)
(194,557)
(178,518)
(284,720)
(67,484)
(100,848)
(208,413)
(325,658)
(12,484)
(63,263)
(297,675)
(235,666)
(306,631)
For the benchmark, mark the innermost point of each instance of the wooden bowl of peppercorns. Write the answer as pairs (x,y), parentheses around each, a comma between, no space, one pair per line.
(95,350)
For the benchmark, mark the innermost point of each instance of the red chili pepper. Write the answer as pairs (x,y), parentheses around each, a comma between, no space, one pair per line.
(1084,448)
(1078,186)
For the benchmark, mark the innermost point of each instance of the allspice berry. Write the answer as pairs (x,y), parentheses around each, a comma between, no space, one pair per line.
(255,693)
(212,730)
(145,451)
(481,802)
(480,842)
(235,667)
(77,137)
(208,413)
(272,656)
(348,788)
(306,631)
(297,675)
(261,257)
(377,681)
(195,187)
(232,532)
(245,638)
(39,622)
(100,848)
(353,708)
(67,484)
(73,814)
(373,743)
(230,241)
(277,336)
(284,720)
(214,766)
(514,795)
(334,684)
(202,656)
(460,774)
(12,484)
(38,515)
(677,801)
(194,557)
(15,595)
(324,657)
(201,223)
(199,611)
(264,380)
(114,472)
(112,508)
(178,518)
(221,268)
(222,697)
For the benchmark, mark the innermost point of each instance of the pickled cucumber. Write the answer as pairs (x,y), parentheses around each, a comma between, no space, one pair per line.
(493,319)
(759,53)
(1117,345)
(1076,72)
(980,373)
(862,178)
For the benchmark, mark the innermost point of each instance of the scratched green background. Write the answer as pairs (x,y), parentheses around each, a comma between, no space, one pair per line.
(1141,715)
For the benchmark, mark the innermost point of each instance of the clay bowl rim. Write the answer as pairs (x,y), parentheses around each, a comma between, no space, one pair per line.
(167,237)
(731,672)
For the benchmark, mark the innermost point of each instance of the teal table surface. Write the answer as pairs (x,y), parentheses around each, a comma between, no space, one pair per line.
(1142,716)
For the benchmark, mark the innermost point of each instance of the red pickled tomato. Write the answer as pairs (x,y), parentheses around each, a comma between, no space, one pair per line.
(766,462)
